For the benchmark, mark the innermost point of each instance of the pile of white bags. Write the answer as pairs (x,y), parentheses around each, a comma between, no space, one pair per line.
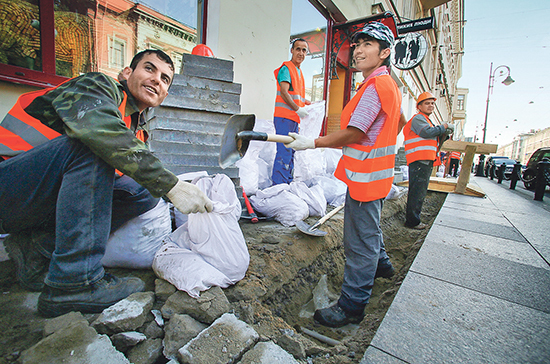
(135,243)
(209,249)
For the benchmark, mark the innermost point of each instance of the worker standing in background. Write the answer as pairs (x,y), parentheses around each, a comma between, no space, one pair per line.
(454,163)
(289,108)
(369,128)
(422,143)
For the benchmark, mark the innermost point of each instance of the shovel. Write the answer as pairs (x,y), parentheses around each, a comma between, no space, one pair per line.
(312,230)
(237,136)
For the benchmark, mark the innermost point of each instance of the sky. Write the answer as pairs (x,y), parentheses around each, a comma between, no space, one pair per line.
(517,35)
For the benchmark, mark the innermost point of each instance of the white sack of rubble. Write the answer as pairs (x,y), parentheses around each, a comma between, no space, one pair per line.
(310,163)
(281,204)
(209,249)
(333,188)
(314,197)
(256,165)
(135,243)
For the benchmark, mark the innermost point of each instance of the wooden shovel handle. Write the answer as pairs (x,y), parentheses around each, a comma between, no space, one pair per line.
(327,216)
(279,138)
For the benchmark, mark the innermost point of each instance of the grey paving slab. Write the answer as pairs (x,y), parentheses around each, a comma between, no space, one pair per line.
(468,222)
(375,356)
(515,282)
(483,209)
(431,321)
(470,200)
(506,199)
(512,250)
(490,216)
(535,228)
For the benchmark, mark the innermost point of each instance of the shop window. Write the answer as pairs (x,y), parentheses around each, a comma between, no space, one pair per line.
(43,42)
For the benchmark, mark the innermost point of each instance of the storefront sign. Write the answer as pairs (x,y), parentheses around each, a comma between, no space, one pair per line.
(409,51)
(416,25)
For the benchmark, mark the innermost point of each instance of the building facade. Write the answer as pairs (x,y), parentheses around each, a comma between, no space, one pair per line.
(255,35)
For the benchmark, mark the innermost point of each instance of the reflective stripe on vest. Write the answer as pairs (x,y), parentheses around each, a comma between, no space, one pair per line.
(416,147)
(455,155)
(282,110)
(20,132)
(368,170)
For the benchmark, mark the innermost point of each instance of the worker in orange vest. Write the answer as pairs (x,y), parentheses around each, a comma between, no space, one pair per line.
(289,108)
(369,128)
(454,158)
(423,140)
(59,194)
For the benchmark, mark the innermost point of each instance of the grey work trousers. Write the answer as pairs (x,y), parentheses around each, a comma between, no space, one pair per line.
(364,250)
(419,179)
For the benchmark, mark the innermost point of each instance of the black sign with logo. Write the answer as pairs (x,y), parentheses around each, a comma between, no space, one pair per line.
(416,25)
(409,51)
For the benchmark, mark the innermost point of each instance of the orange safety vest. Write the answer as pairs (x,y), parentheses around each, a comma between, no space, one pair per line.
(298,93)
(20,132)
(418,148)
(368,170)
(455,155)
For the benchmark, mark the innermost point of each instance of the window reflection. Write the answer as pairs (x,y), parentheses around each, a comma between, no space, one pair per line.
(94,35)
(20,34)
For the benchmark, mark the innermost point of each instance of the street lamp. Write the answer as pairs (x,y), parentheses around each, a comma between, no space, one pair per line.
(507,82)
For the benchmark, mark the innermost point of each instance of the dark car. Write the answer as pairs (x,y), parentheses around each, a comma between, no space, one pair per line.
(490,162)
(510,163)
(530,173)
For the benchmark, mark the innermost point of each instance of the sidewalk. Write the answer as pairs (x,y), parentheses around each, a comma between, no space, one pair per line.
(479,288)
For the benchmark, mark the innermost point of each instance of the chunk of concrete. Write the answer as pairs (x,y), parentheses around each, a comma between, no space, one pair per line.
(178,332)
(207,308)
(125,315)
(267,353)
(125,340)
(226,340)
(61,322)
(148,352)
(77,343)
(163,289)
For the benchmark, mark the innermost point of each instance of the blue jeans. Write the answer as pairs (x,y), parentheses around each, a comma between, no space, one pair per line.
(283,166)
(364,249)
(71,200)
(419,179)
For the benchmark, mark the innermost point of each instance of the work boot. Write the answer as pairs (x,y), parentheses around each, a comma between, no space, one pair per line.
(94,298)
(30,265)
(420,226)
(384,270)
(335,316)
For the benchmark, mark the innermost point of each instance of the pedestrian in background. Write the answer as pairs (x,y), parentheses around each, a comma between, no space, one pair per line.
(369,128)
(289,108)
(422,143)
(454,163)
(59,194)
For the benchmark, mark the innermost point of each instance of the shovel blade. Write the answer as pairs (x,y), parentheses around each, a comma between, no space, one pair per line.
(306,229)
(232,149)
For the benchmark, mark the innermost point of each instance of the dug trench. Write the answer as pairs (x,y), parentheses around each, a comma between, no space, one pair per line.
(285,267)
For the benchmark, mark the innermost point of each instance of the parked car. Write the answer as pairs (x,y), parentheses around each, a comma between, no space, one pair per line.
(530,173)
(490,162)
(510,163)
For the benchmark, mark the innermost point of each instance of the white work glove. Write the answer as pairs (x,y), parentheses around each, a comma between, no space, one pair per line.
(302,112)
(300,142)
(450,128)
(188,198)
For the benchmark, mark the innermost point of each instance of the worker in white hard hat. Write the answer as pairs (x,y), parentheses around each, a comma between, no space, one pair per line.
(423,140)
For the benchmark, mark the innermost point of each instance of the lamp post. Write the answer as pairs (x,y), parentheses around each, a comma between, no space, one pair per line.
(507,82)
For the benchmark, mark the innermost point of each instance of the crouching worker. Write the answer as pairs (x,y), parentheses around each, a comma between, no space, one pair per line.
(59,194)
(369,127)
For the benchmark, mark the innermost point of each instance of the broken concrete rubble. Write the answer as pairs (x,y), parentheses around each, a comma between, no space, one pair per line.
(280,280)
